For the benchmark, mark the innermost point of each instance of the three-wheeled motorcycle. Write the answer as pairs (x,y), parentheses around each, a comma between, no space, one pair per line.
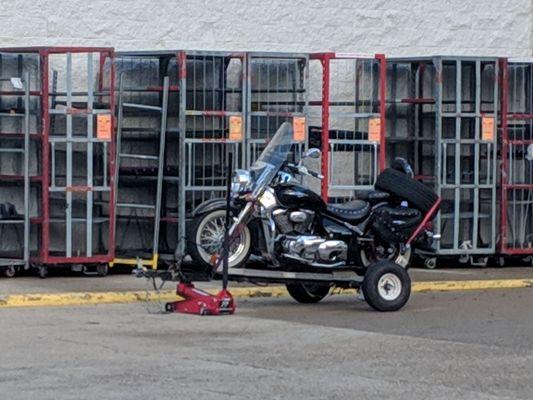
(309,245)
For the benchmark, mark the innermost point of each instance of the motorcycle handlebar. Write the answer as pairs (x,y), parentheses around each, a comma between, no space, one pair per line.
(316,174)
(300,169)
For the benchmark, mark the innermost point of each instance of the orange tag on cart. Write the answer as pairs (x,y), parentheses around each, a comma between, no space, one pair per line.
(487,128)
(103,126)
(298,129)
(235,127)
(374,129)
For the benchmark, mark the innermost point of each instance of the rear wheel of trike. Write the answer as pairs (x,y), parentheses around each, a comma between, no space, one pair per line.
(307,293)
(386,286)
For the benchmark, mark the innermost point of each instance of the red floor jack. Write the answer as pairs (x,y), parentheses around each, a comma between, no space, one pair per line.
(197,301)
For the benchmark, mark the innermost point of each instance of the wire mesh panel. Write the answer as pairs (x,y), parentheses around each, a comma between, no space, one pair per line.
(19,122)
(79,156)
(277,93)
(442,118)
(212,121)
(411,115)
(73,120)
(353,123)
(517,157)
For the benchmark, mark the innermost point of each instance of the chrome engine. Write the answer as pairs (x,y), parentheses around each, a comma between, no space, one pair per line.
(297,242)
(288,222)
(315,250)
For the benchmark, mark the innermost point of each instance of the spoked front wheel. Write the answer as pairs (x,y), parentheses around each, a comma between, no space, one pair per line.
(206,237)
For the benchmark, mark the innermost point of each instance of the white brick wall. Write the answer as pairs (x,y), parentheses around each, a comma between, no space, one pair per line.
(395,27)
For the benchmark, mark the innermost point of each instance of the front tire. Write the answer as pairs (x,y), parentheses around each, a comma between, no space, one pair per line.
(386,286)
(307,293)
(206,236)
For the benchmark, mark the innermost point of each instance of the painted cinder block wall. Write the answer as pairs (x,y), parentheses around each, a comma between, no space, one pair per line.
(395,27)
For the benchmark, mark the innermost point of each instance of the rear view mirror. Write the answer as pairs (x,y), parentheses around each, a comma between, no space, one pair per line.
(312,153)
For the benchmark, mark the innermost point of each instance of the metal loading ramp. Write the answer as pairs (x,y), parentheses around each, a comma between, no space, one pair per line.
(442,115)
(134,159)
(148,157)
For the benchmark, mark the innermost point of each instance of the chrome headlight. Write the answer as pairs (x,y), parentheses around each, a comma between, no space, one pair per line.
(241,181)
(268,199)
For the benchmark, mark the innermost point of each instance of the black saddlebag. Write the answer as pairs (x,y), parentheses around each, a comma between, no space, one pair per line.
(395,224)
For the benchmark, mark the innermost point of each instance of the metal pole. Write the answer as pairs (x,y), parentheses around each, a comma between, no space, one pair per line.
(227,223)
(118,146)
(27,170)
(45,132)
(89,151)
(160,170)
(325,60)
(69,165)
(182,67)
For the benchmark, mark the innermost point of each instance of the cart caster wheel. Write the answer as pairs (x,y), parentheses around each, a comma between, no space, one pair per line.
(430,263)
(42,271)
(102,269)
(169,307)
(10,272)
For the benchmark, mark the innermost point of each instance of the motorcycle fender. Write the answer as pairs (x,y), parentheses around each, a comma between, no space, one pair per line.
(208,206)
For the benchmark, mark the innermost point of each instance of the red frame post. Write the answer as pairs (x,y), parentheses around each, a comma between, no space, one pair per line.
(112,149)
(45,150)
(382,108)
(325,59)
(506,116)
(505,148)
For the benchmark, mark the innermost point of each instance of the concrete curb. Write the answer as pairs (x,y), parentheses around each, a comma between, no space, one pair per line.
(91,298)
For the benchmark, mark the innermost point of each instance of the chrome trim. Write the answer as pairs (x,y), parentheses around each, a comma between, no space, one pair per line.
(314,263)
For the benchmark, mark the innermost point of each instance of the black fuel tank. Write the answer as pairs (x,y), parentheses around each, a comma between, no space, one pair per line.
(296,196)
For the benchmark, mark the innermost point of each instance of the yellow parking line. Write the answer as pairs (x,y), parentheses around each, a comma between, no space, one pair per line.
(446,286)
(88,298)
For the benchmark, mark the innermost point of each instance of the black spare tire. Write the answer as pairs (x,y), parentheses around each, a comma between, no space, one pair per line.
(401,185)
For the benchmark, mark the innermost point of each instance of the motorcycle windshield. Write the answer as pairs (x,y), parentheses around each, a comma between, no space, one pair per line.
(265,168)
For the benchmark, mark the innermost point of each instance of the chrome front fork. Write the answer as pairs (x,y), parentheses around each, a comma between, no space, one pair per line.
(268,225)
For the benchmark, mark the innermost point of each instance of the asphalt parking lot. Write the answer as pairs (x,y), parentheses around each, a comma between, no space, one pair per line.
(467,345)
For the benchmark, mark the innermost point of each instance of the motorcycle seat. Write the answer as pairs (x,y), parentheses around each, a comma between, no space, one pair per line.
(373,196)
(351,211)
